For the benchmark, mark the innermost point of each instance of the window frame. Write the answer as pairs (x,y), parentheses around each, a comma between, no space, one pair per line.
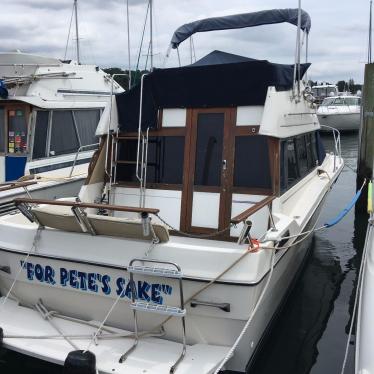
(284,159)
(50,128)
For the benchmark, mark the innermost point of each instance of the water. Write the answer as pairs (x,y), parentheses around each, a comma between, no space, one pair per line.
(310,333)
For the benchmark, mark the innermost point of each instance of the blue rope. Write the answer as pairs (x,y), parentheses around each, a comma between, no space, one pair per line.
(344,212)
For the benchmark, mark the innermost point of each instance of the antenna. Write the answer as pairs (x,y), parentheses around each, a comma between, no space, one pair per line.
(151,30)
(296,74)
(370,32)
(128,40)
(76,28)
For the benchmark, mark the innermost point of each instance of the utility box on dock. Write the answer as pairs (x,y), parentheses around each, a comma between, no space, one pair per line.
(366,146)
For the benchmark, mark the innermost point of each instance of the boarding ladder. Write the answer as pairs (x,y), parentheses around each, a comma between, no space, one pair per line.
(155,269)
(141,162)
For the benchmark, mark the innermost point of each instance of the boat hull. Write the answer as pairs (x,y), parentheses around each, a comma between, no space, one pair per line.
(210,325)
(340,121)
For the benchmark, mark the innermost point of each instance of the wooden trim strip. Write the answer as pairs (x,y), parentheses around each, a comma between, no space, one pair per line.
(253,209)
(14,185)
(74,204)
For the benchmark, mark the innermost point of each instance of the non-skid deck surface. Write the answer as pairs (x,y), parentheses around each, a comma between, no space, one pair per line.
(153,355)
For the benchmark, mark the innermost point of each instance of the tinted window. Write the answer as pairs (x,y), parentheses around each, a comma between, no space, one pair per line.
(17,131)
(208,164)
(2,130)
(252,165)
(63,136)
(292,171)
(86,121)
(40,134)
(302,157)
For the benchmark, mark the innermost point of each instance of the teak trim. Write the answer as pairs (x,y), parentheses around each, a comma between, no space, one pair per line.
(14,185)
(253,209)
(74,204)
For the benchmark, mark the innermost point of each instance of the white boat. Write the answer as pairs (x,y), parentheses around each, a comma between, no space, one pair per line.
(341,112)
(49,112)
(209,194)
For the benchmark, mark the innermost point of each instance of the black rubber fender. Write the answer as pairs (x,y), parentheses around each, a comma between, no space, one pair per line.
(80,362)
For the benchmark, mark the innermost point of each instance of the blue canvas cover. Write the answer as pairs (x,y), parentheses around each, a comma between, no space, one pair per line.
(239,21)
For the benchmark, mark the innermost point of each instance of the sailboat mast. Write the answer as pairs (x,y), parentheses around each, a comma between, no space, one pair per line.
(151,30)
(76,28)
(370,32)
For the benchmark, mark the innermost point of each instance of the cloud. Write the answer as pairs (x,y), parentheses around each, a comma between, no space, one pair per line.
(338,40)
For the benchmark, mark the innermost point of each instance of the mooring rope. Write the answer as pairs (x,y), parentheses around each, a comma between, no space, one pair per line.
(32,249)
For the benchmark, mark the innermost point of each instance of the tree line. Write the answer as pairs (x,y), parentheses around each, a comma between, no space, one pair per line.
(343,86)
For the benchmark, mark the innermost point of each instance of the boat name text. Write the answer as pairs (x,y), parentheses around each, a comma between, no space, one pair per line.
(96,282)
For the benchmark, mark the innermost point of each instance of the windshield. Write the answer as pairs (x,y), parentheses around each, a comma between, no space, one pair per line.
(353,100)
(327,102)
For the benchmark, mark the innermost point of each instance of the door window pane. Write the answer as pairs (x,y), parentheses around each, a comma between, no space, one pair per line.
(17,131)
(40,134)
(252,165)
(2,130)
(63,136)
(208,165)
(87,121)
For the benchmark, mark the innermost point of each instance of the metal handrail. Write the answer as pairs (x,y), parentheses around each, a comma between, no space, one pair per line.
(337,143)
(77,154)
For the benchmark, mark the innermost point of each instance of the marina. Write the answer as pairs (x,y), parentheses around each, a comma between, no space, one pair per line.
(202,218)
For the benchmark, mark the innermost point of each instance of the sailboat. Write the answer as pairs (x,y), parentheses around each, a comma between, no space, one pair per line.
(195,218)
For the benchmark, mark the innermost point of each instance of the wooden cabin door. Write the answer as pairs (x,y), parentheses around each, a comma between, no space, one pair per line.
(208,170)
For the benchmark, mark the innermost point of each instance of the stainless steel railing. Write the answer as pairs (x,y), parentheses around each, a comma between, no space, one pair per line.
(80,149)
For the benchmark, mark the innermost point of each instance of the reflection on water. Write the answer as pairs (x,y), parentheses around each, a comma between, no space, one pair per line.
(310,334)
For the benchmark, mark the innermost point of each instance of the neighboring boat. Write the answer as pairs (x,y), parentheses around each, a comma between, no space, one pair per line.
(49,111)
(323,91)
(208,178)
(340,112)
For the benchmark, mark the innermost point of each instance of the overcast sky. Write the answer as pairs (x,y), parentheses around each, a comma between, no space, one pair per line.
(337,43)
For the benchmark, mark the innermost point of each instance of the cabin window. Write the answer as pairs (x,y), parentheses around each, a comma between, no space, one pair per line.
(302,157)
(86,122)
(64,137)
(209,146)
(2,130)
(40,134)
(299,157)
(68,130)
(17,131)
(252,164)
(164,161)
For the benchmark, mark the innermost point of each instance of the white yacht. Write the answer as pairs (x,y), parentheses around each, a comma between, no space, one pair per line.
(341,112)
(49,111)
(193,222)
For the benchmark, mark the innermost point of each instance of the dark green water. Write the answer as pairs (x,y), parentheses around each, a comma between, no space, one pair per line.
(310,333)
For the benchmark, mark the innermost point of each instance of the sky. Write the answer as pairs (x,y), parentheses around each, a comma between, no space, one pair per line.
(338,40)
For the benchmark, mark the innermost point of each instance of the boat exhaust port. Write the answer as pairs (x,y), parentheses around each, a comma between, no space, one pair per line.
(80,362)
